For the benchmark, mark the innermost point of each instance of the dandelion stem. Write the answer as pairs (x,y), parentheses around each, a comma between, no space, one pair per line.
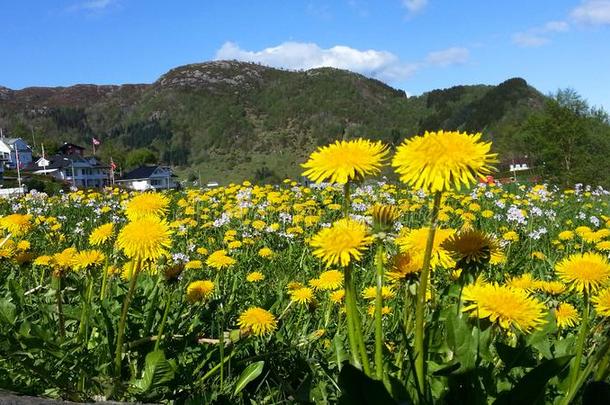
(420,354)
(104,280)
(121,330)
(575,370)
(378,314)
(60,311)
(168,302)
(349,318)
(84,318)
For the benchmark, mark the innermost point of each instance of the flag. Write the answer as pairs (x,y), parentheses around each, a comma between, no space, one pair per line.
(95,141)
(112,165)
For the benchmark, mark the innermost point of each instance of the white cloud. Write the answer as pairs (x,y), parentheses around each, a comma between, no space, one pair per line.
(382,65)
(529,40)
(592,12)
(414,6)
(539,36)
(556,26)
(92,5)
(448,57)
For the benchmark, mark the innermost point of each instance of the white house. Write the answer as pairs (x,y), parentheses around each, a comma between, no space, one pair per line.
(149,178)
(10,147)
(81,172)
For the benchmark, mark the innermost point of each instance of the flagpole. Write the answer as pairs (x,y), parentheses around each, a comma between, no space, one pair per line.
(18,169)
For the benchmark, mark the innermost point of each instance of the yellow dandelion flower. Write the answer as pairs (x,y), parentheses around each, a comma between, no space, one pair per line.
(566,235)
(255,276)
(404,265)
(566,315)
(202,251)
(344,161)
(511,236)
(330,280)
(294,285)
(584,272)
(602,302)
(336,297)
(258,321)
(370,293)
(23,245)
(551,287)
(147,205)
(87,259)
(193,265)
(265,252)
(524,282)
(16,224)
(538,255)
(101,234)
(385,310)
(508,307)
(343,242)
(43,260)
(414,242)
(603,246)
(144,239)
(439,161)
(65,259)
(302,295)
(220,260)
(199,290)
(470,246)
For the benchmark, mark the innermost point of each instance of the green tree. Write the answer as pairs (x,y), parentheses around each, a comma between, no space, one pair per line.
(569,139)
(141,156)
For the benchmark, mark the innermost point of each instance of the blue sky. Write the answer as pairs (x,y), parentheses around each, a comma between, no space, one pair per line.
(416,45)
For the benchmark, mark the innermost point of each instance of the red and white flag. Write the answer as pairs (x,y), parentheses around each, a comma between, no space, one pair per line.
(96,141)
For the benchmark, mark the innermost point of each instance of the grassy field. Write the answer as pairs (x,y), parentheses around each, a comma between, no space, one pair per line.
(225,296)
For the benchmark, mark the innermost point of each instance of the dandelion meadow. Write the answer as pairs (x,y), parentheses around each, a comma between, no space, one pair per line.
(350,290)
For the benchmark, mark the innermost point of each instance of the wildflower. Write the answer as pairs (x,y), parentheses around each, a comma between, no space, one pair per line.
(343,241)
(23,245)
(370,293)
(255,276)
(147,205)
(101,234)
(345,161)
(257,320)
(199,290)
(511,236)
(604,245)
(523,282)
(508,307)
(385,310)
(566,315)
(336,297)
(584,272)
(330,280)
(265,252)
(220,260)
(566,235)
(302,295)
(87,259)
(551,287)
(538,255)
(602,302)
(470,247)
(384,217)
(16,224)
(403,265)
(414,241)
(439,161)
(64,260)
(193,265)
(144,239)
(294,285)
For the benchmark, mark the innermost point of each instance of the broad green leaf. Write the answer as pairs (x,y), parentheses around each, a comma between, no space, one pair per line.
(157,371)
(251,373)
(359,389)
(7,311)
(531,388)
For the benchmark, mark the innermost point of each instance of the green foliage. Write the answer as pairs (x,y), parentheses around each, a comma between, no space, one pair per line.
(569,140)
(139,157)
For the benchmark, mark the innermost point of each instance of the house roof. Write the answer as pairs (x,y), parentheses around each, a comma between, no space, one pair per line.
(142,172)
(68,145)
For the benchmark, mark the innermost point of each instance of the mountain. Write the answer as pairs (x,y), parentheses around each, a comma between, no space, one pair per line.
(228,120)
